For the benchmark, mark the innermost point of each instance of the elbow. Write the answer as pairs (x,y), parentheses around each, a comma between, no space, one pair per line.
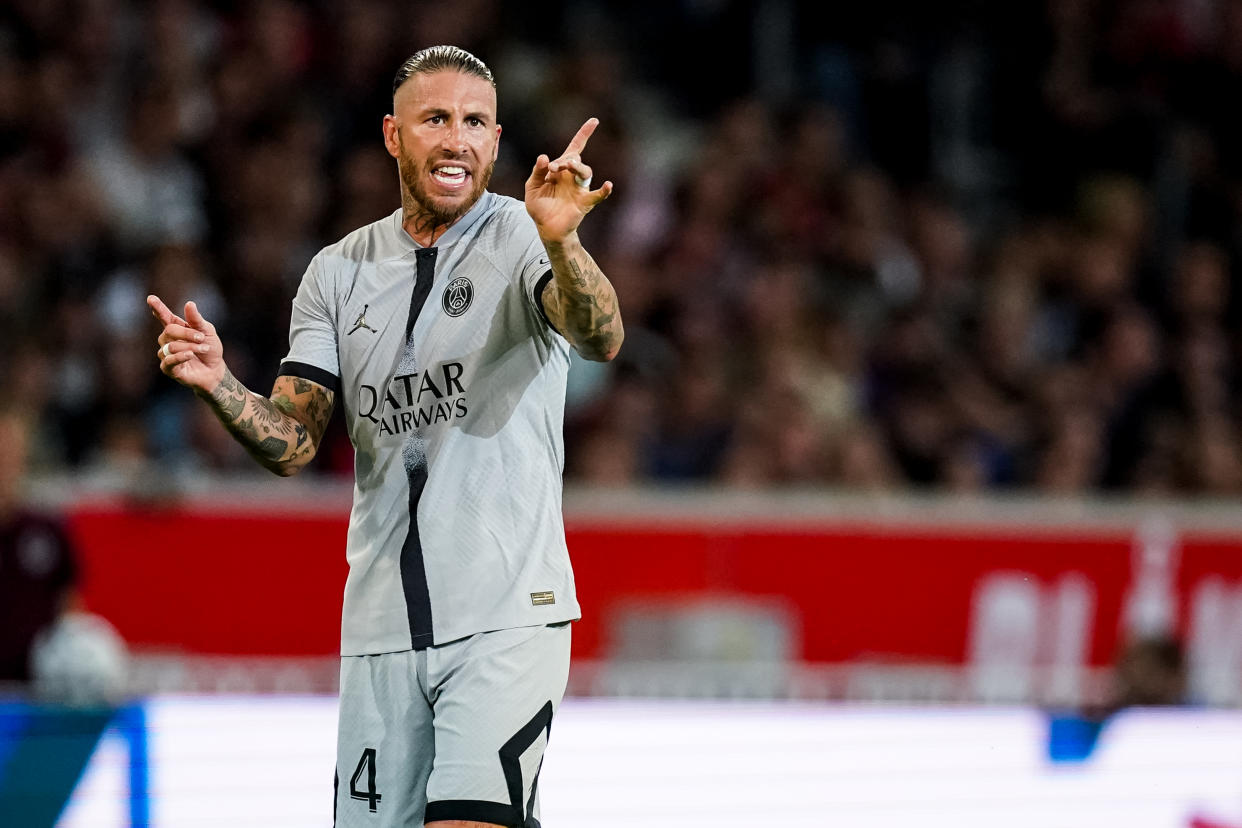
(602,348)
(604,356)
(284,468)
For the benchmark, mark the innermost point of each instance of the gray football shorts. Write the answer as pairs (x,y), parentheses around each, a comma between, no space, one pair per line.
(450,732)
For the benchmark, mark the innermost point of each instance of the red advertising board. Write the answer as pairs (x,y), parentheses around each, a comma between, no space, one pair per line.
(916,581)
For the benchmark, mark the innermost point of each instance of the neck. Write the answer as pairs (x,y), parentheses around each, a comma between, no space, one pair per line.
(421,225)
(424,226)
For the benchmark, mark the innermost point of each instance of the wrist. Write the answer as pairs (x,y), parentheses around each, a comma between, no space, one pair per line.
(560,243)
(208,390)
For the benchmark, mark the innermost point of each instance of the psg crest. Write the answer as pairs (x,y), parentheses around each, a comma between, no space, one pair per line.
(457,296)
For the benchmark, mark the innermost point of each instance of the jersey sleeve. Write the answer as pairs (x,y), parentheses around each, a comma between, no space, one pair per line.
(536,271)
(312,333)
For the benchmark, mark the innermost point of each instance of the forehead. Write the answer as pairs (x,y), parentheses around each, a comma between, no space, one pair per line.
(448,90)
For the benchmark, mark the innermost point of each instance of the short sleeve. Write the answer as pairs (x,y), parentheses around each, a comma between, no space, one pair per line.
(536,272)
(313,351)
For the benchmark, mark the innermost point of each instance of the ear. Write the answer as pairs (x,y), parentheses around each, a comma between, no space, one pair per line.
(496,147)
(391,140)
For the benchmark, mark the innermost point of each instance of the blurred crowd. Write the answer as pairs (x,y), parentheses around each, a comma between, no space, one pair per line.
(961,245)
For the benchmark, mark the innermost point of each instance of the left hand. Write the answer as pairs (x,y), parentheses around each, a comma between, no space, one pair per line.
(554,197)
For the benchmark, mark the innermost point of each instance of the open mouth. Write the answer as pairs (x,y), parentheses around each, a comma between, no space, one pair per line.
(450,176)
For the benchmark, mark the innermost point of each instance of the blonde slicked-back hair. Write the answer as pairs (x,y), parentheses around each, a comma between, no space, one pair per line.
(439,58)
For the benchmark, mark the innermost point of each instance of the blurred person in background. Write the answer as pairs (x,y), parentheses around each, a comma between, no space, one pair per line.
(38,564)
(1149,671)
(1013,194)
(447,326)
(149,190)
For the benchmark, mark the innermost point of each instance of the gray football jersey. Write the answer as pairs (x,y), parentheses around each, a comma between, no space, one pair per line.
(453,388)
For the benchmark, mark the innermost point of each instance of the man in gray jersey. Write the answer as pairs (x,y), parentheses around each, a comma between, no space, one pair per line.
(445,328)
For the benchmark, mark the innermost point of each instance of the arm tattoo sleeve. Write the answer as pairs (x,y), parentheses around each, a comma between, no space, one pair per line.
(283,432)
(581,303)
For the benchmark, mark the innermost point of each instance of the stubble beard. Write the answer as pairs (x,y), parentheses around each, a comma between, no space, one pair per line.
(419,204)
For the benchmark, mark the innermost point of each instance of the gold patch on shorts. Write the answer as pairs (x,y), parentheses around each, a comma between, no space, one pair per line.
(541,599)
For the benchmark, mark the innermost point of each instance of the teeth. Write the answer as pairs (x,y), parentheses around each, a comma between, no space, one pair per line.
(451,171)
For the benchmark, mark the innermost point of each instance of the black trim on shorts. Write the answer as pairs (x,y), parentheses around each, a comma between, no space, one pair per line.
(539,286)
(413,566)
(511,764)
(471,810)
(313,373)
(516,814)
(336,790)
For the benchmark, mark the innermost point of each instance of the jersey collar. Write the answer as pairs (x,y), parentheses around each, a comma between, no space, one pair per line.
(456,230)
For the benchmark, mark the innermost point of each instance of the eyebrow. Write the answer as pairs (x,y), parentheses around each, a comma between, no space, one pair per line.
(438,110)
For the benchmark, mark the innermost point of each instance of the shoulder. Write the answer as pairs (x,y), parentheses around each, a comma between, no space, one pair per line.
(504,235)
(508,235)
(508,219)
(507,206)
(370,243)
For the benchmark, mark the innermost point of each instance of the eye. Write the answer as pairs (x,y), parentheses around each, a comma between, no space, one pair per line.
(475,122)
(436,119)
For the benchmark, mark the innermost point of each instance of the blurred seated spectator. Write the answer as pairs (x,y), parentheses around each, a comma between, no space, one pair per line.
(1034,290)
(151,192)
(1151,671)
(38,568)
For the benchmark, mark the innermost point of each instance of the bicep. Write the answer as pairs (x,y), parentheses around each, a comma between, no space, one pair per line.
(306,401)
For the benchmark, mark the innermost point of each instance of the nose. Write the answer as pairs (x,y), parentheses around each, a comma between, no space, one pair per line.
(455,139)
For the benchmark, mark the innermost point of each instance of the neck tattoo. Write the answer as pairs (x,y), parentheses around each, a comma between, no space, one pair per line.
(418,222)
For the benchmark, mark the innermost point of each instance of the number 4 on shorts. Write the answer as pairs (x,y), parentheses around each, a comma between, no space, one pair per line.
(366,763)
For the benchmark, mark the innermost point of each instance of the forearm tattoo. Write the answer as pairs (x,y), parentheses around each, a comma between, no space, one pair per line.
(271,429)
(316,403)
(582,304)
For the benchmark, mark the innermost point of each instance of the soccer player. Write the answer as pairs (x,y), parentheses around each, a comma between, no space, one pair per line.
(445,328)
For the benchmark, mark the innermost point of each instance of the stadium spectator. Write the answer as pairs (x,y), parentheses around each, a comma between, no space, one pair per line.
(1149,671)
(928,259)
(38,568)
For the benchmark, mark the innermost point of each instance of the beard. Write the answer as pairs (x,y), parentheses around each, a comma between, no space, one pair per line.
(414,180)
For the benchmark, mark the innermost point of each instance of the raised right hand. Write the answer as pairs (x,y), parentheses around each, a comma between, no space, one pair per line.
(194,355)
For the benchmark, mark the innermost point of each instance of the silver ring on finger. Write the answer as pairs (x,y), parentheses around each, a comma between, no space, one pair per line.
(166,350)
(584,183)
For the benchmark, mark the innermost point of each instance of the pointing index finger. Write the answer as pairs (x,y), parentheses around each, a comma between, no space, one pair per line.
(579,142)
(161,312)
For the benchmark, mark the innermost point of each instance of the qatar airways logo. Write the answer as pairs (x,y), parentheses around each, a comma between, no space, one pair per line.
(414,400)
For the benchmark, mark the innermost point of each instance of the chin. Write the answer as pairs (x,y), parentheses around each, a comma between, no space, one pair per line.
(449,208)
(454,203)
(445,208)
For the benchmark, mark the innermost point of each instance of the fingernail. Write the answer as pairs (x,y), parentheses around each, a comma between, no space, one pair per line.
(202,349)
(198,337)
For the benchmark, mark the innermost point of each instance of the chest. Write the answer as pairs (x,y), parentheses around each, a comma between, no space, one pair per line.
(388,313)
(414,357)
